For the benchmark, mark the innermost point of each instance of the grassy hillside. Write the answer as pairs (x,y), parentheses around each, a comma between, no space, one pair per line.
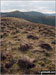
(26,47)
(36,17)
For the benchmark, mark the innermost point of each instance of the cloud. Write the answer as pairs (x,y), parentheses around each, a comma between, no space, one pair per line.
(40,6)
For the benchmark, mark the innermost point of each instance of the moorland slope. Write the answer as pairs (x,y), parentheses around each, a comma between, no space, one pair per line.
(26,47)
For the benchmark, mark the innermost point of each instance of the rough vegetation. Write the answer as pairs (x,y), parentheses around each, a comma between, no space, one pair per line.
(26,47)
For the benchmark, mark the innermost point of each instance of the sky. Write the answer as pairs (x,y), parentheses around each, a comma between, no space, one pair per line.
(29,5)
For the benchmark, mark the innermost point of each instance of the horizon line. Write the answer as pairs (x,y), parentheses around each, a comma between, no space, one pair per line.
(28,11)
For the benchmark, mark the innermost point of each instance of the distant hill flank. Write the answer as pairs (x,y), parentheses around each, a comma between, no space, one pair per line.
(32,16)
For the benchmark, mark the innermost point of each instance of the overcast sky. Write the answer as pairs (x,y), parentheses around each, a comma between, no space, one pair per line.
(40,6)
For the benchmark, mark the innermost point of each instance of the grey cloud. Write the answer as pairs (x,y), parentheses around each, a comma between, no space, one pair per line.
(40,6)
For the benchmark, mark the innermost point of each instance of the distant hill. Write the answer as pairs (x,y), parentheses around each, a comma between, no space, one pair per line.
(32,13)
(32,16)
(38,13)
(50,14)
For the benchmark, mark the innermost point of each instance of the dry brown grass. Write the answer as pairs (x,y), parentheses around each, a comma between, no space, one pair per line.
(15,43)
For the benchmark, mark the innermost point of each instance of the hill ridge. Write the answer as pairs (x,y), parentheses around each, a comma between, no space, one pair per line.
(33,17)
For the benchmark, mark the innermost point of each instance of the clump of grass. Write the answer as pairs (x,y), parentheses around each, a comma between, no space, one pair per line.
(51,66)
(25,63)
(36,70)
(24,47)
(46,60)
(32,37)
(42,63)
(29,53)
(46,46)
(47,54)
(4,35)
